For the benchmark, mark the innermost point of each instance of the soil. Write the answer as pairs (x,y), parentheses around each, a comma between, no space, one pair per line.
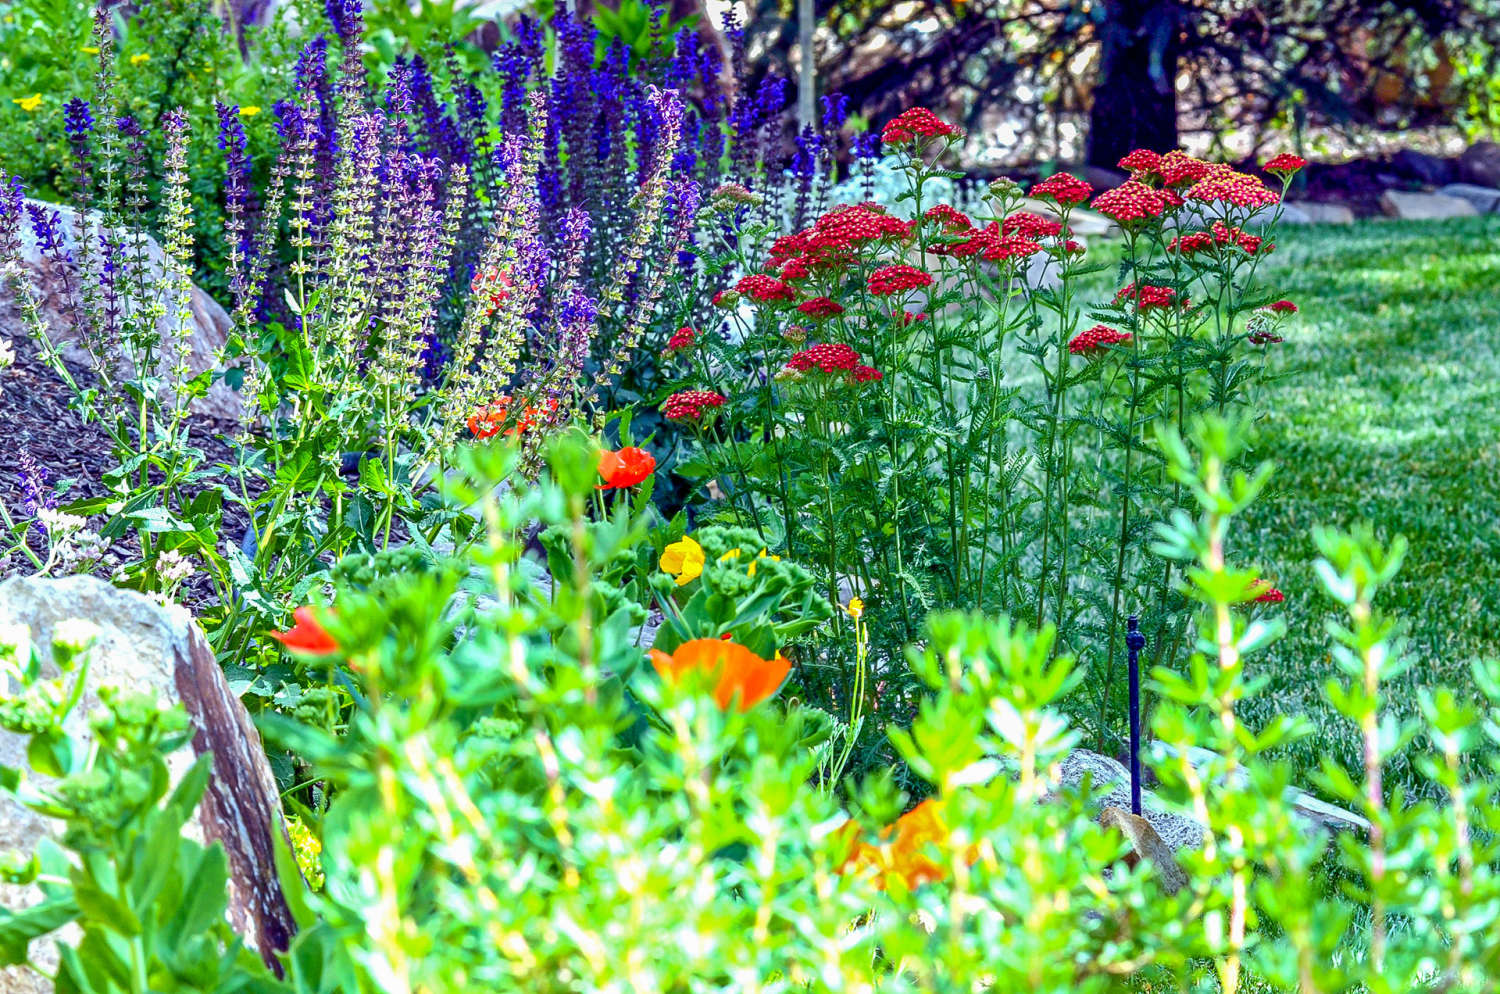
(38,421)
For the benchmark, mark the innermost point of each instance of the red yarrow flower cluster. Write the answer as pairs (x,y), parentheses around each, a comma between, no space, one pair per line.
(1284,164)
(765,289)
(1030,226)
(1220,234)
(1141,161)
(914,125)
(1131,202)
(864,374)
(1097,339)
(897,278)
(950,219)
(820,308)
(1148,296)
(1063,188)
(1227,186)
(1284,307)
(832,358)
(691,405)
(1177,168)
(682,340)
(834,240)
(1264,593)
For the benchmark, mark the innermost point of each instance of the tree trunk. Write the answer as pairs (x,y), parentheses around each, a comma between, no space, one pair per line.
(1135,96)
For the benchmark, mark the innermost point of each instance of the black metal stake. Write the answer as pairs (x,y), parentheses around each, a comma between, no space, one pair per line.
(1135,642)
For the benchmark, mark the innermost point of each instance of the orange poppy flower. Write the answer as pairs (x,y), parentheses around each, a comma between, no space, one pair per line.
(902,850)
(307,637)
(625,468)
(739,672)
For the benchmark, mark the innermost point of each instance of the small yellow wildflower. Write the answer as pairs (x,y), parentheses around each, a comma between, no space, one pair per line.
(89,50)
(683,559)
(28,104)
(249,111)
(139,57)
(856,608)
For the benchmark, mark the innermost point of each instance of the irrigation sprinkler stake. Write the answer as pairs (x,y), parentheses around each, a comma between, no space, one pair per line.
(1135,642)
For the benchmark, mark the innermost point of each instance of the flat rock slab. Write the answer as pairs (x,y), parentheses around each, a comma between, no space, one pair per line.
(1308,212)
(1424,206)
(1486,199)
(147,647)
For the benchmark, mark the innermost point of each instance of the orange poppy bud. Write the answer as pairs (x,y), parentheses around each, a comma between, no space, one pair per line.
(625,468)
(307,637)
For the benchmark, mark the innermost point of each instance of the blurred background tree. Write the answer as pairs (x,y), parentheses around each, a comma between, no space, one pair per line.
(1096,78)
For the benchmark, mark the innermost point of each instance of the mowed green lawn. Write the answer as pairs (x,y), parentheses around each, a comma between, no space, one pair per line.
(1387,410)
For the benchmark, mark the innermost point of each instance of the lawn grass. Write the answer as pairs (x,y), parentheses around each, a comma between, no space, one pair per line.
(1386,410)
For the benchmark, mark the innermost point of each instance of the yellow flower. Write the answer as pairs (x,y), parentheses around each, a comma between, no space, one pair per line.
(28,104)
(735,554)
(89,50)
(683,559)
(138,58)
(856,608)
(249,111)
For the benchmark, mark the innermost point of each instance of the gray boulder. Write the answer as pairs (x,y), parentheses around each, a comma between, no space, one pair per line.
(1486,199)
(1424,206)
(1480,164)
(144,646)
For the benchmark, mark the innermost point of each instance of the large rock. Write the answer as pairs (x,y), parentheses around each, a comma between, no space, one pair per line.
(1429,170)
(206,328)
(1424,206)
(1486,199)
(1480,164)
(1309,212)
(144,646)
(1111,783)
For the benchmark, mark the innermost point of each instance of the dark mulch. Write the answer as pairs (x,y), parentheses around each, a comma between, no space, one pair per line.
(38,421)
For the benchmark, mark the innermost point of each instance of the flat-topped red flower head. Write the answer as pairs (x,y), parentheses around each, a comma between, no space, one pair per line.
(1284,164)
(1096,340)
(918,124)
(897,278)
(1064,188)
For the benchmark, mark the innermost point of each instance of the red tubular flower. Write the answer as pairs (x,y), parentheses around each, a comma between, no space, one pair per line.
(1030,226)
(1284,164)
(1131,202)
(682,339)
(914,125)
(492,419)
(625,467)
(765,289)
(834,358)
(691,405)
(1284,307)
(1142,160)
(306,637)
(1096,340)
(1063,188)
(897,278)
(820,308)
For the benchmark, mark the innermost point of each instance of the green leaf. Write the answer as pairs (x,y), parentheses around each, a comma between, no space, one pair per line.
(18,928)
